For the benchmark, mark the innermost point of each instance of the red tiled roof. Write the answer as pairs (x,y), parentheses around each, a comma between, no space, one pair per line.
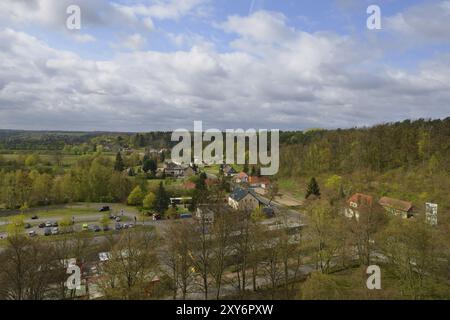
(259,180)
(242,175)
(361,199)
(396,204)
(189,185)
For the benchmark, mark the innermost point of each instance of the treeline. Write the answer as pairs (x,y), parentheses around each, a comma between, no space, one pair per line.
(47,140)
(92,178)
(380,148)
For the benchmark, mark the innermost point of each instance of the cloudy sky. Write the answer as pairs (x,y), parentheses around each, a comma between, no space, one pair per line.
(147,65)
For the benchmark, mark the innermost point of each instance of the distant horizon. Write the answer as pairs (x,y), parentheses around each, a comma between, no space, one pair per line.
(223,129)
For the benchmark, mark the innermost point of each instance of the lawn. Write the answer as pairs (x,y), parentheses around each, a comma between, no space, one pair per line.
(292,187)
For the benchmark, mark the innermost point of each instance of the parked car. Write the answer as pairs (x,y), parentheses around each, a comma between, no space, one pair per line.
(42,225)
(105,228)
(85,227)
(54,224)
(185,216)
(118,226)
(35,217)
(112,217)
(118,219)
(48,224)
(47,232)
(27,226)
(104,209)
(96,229)
(157,217)
(32,233)
(55,230)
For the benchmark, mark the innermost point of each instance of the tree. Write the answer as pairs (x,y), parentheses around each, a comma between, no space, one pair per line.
(416,255)
(312,189)
(220,246)
(32,160)
(177,258)
(162,199)
(119,165)
(324,234)
(28,269)
(136,197)
(149,201)
(200,195)
(132,267)
(320,287)
(149,165)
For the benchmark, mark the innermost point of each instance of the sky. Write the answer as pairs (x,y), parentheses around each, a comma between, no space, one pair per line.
(148,65)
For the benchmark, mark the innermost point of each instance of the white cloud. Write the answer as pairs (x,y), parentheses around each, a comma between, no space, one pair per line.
(428,21)
(134,42)
(286,78)
(83,37)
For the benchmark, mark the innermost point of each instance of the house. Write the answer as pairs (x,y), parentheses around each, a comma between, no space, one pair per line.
(179,171)
(246,199)
(242,177)
(356,203)
(207,213)
(174,170)
(259,182)
(397,207)
(229,171)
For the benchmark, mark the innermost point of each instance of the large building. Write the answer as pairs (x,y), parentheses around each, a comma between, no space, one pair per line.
(244,199)
(397,207)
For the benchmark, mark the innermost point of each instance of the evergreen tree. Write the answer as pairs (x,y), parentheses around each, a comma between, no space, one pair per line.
(149,165)
(162,199)
(119,165)
(201,191)
(312,189)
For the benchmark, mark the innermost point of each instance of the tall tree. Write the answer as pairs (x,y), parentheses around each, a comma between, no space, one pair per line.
(119,165)
(312,188)
(162,199)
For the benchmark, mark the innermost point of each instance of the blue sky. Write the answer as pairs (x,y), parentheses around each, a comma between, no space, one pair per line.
(161,64)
